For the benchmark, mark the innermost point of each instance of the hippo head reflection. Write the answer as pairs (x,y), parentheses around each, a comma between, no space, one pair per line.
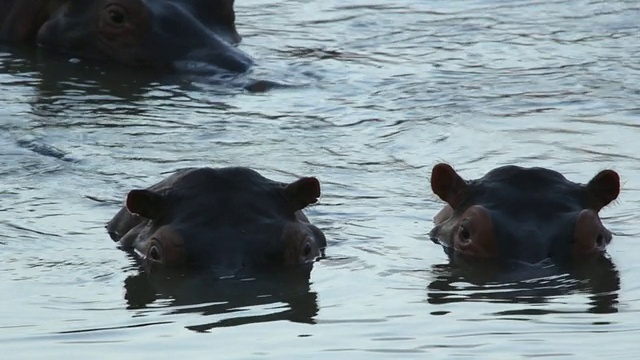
(463,279)
(225,302)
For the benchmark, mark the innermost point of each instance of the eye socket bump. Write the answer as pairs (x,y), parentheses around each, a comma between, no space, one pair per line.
(474,234)
(600,242)
(464,234)
(154,253)
(306,250)
(115,15)
(589,233)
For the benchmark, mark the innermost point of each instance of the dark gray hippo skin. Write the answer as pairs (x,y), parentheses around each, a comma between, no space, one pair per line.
(154,34)
(229,220)
(525,215)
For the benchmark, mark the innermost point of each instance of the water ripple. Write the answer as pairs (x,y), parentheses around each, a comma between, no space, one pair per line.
(375,94)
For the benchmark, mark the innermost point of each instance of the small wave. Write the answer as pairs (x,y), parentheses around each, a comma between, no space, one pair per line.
(45,149)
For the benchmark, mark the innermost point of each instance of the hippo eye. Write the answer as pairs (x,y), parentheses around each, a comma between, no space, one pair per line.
(600,240)
(464,233)
(306,250)
(154,253)
(115,15)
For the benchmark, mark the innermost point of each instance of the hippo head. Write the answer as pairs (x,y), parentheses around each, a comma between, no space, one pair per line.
(230,220)
(147,33)
(522,214)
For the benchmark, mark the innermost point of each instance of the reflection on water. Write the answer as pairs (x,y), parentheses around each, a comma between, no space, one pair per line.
(225,302)
(388,91)
(463,280)
(55,76)
(58,82)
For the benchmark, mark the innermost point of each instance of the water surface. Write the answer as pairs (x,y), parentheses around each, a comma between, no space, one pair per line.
(378,93)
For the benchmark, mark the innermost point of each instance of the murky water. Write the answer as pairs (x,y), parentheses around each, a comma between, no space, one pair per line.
(380,92)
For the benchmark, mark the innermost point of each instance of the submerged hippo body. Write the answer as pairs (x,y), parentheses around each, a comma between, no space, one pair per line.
(230,220)
(147,33)
(525,215)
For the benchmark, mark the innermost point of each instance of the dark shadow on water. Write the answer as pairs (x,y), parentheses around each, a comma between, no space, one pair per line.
(55,76)
(463,280)
(276,296)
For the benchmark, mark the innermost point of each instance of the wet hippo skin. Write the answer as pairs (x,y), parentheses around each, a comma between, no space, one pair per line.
(146,33)
(230,220)
(522,214)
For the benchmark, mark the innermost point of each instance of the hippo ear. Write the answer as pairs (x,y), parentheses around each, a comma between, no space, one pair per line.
(447,184)
(146,203)
(303,192)
(603,189)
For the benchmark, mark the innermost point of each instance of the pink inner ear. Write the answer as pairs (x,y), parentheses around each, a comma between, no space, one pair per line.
(446,183)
